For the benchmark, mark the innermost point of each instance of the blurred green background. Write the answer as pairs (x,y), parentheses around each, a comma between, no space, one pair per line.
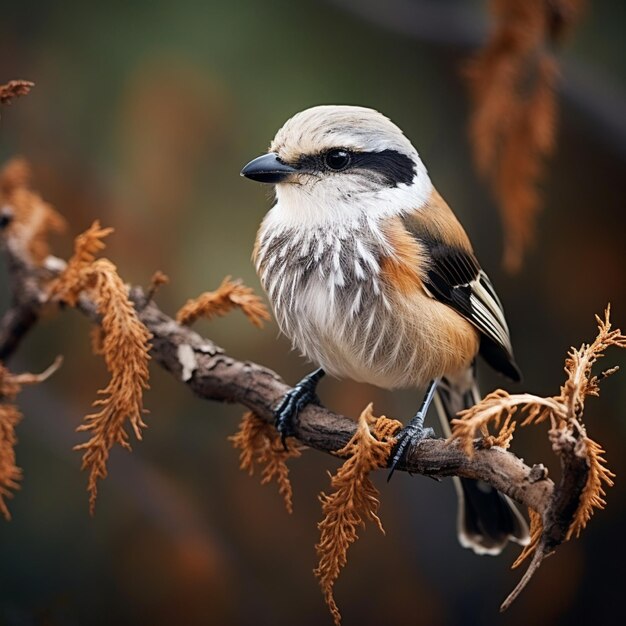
(142,116)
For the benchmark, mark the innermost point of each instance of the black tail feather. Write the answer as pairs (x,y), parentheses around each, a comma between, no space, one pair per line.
(487,520)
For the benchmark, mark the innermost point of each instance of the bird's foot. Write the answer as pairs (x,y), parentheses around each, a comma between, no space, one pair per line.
(293,402)
(409,436)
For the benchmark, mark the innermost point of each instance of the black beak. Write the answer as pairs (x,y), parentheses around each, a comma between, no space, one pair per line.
(267,169)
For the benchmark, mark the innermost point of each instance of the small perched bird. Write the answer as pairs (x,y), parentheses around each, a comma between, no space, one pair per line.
(373,278)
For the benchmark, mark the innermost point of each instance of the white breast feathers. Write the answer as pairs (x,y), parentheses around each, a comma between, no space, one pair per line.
(327,293)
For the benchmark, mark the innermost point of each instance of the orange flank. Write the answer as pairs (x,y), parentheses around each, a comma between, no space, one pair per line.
(402,269)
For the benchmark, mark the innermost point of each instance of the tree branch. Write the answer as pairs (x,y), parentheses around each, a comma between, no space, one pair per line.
(217,376)
(213,375)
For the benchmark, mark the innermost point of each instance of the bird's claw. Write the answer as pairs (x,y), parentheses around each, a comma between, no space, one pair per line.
(410,435)
(293,402)
(289,407)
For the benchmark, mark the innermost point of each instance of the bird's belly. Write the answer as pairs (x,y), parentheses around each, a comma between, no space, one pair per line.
(383,342)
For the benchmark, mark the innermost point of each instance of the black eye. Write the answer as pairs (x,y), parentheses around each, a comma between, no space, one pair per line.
(337,160)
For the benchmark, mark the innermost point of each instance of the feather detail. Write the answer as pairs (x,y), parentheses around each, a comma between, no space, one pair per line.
(452,275)
(401,267)
(358,308)
(435,220)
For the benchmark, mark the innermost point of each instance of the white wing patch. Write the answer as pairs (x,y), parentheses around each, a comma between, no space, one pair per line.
(488,311)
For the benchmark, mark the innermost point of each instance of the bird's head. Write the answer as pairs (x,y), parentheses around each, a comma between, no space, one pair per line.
(338,162)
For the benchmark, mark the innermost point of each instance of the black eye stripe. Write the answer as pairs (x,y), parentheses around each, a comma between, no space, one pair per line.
(392,166)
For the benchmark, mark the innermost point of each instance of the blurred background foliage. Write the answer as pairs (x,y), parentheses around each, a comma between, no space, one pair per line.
(142,116)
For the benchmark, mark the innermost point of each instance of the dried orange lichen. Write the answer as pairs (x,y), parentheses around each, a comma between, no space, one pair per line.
(228,296)
(77,274)
(580,382)
(512,128)
(565,413)
(593,494)
(10,473)
(353,501)
(32,219)
(536,528)
(504,437)
(14,89)
(499,406)
(260,443)
(158,280)
(124,345)
(10,386)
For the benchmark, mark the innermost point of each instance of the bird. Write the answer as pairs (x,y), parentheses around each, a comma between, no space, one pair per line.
(372,278)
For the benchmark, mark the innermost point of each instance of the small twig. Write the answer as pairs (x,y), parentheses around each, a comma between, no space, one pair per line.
(537,560)
(33,379)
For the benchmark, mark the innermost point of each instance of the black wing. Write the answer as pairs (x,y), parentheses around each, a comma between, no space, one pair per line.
(456,278)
